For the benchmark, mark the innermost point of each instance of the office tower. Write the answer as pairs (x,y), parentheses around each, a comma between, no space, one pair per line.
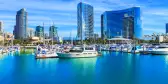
(85,21)
(20,29)
(166,27)
(96,36)
(30,32)
(39,32)
(53,32)
(1,26)
(46,36)
(113,23)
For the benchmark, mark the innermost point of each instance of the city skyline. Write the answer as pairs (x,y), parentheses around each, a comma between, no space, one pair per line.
(64,14)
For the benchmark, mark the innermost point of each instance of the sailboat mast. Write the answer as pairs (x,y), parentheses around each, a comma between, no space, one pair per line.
(52,34)
(43,35)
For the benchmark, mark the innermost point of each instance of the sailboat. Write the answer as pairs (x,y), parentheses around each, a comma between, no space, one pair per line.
(46,52)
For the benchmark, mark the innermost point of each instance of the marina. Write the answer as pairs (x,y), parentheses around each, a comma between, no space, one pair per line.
(109,68)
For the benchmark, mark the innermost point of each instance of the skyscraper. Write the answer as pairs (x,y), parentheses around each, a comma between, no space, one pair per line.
(85,21)
(166,27)
(1,26)
(114,23)
(30,32)
(39,32)
(53,32)
(20,30)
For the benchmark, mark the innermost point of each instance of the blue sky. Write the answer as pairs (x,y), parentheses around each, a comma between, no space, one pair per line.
(64,13)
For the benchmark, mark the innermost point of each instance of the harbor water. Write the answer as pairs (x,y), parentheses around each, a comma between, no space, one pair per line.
(110,68)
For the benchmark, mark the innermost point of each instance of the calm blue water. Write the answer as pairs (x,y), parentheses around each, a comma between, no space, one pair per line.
(111,68)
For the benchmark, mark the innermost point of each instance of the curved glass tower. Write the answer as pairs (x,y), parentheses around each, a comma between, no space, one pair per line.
(85,21)
(126,23)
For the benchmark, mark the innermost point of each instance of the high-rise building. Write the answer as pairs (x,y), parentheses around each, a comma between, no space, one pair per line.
(30,32)
(166,27)
(46,36)
(115,23)
(53,32)
(85,21)
(1,26)
(96,36)
(20,30)
(39,31)
(128,27)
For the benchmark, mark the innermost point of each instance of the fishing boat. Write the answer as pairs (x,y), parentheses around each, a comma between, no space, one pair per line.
(43,52)
(79,52)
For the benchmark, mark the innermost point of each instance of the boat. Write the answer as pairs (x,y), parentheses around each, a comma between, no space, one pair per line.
(43,52)
(136,49)
(4,50)
(127,49)
(79,52)
(160,50)
(147,49)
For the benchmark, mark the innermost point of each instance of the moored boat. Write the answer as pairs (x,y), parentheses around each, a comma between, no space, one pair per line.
(79,52)
(161,50)
(45,53)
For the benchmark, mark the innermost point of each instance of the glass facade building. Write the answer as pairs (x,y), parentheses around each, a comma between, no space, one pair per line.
(166,27)
(85,21)
(30,32)
(53,32)
(1,26)
(39,31)
(128,27)
(126,23)
(20,29)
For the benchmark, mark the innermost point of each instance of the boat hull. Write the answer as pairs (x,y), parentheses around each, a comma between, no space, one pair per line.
(38,56)
(159,52)
(75,55)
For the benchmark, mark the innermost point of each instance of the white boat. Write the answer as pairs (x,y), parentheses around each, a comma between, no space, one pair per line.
(136,50)
(4,50)
(1,49)
(127,50)
(45,53)
(161,50)
(79,51)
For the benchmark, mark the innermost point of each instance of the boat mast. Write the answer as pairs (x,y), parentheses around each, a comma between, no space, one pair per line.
(52,34)
(71,38)
(12,41)
(3,38)
(43,35)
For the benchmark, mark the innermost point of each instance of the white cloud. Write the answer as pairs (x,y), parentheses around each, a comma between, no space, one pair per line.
(64,13)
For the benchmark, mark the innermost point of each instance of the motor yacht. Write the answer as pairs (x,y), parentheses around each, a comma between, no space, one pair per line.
(160,50)
(79,51)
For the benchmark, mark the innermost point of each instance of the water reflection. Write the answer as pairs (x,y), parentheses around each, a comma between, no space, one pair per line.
(46,63)
(3,56)
(110,68)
